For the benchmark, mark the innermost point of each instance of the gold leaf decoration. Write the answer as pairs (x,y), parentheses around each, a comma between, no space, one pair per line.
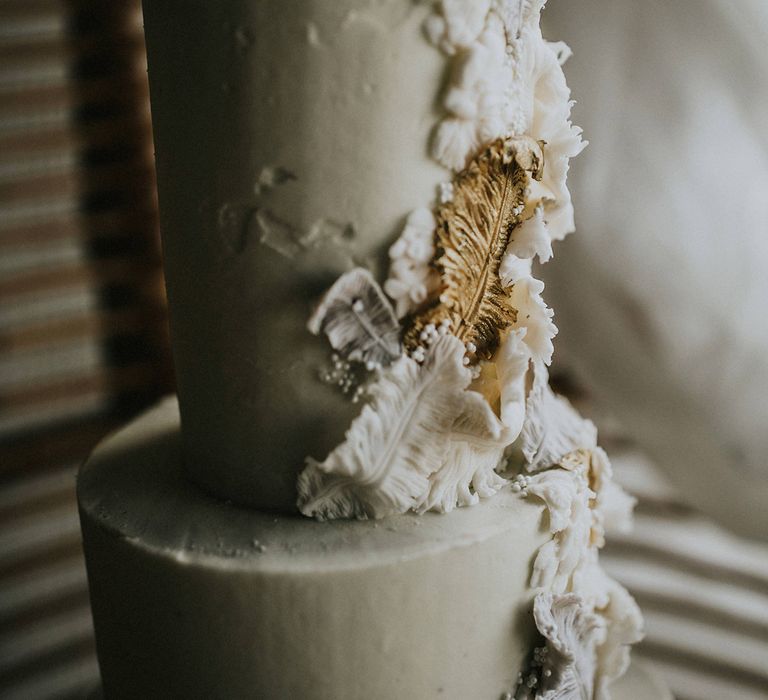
(473,230)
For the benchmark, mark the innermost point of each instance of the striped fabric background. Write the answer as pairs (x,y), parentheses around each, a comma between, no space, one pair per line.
(83,347)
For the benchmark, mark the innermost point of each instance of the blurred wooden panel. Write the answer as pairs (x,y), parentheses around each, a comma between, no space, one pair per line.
(77,218)
(83,331)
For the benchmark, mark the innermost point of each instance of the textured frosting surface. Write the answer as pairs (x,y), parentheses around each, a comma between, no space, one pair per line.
(291,141)
(199,598)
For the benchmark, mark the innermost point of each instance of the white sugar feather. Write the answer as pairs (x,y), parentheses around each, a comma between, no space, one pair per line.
(358,319)
(397,442)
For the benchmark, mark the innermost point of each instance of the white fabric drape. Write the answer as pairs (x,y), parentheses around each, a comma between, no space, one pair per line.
(661,295)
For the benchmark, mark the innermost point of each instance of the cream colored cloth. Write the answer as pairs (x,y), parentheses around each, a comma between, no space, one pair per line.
(662,294)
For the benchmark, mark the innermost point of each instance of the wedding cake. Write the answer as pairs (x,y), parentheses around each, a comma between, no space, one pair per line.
(367,487)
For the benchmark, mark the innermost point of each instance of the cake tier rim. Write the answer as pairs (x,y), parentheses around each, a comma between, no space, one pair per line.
(302,544)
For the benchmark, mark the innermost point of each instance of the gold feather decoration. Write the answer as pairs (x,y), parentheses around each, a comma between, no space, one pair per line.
(473,230)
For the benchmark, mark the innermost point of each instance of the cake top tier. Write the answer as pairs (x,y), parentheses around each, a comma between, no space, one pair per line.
(291,142)
(294,142)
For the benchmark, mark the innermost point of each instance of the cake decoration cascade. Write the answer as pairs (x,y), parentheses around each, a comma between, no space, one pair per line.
(464,402)
(552,428)
(463,267)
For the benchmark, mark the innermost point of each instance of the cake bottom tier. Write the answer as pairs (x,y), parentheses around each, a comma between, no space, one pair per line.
(197,598)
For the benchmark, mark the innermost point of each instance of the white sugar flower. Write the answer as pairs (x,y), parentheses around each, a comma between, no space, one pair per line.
(410,277)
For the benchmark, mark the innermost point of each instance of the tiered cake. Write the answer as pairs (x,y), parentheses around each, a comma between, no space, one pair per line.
(308,151)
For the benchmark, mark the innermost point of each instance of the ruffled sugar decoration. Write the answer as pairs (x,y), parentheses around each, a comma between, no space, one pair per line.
(467,475)
(567,496)
(531,238)
(552,427)
(464,271)
(624,627)
(470,377)
(572,633)
(533,315)
(475,98)
(581,501)
(472,309)
(584,648)
(484,298)
(613,506)
(621,616)
(456,24)
(551,124)
(506,80)
(478,338)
